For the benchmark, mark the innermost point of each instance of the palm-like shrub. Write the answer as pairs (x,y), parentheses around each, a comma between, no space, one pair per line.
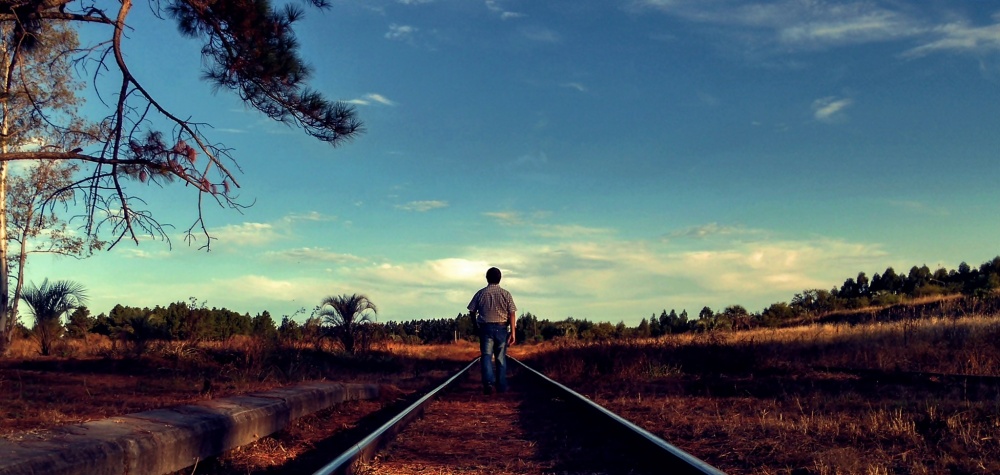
(344,313)
(48,303)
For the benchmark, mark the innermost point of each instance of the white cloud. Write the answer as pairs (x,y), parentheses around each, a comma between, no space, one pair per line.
(711,229)
(494,6)
(380,99)
(134,253)
(798,24)
(554,270)
(369,98)
(960,37)
(569,231)
(245,234)
(423,206)
(849,27)
(515,218)
(313,255)
(314,216)
(782,26)
(259,234)
(509,218)
(261,286)
(575,85)
(401,32)
(830,109)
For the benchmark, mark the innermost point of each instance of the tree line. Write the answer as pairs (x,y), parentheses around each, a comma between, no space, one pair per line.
(881,290)
(339,318)
(346,321)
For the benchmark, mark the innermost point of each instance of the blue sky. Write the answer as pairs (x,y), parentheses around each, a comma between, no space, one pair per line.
(613,158)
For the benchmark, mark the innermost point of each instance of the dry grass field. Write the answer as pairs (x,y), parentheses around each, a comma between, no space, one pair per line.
(909,397)
(92,380)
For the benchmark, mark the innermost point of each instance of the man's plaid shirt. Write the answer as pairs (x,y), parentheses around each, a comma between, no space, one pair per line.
(493,304)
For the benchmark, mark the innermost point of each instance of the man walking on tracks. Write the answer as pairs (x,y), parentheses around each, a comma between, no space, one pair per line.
(492,309)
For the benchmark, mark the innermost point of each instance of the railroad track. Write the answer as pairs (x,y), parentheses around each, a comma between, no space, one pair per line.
(540,426)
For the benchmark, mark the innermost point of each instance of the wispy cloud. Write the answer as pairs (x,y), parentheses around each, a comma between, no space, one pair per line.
(246,234)
(962,38)
(553,270)
(259,234)
(830,109)
(314,216)
(380,99)
(535,225)
(495,7)
(509,218)
(516,218)
(314,254)
(370,98)
(602,277)
(710,230)
(797,24)
(570,231)
(423,206)
(263,287)
(401,32)
(134,253)
(415,2)
(574,85)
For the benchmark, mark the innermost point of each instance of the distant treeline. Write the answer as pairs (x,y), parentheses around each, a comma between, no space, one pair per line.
(884,290)
(190,321)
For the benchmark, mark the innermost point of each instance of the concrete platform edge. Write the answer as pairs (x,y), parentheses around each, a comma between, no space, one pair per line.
(169,439)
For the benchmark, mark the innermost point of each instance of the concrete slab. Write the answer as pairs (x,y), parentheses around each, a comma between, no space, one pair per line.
(169,439)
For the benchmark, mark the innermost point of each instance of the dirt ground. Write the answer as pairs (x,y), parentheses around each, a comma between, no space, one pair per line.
(39,393)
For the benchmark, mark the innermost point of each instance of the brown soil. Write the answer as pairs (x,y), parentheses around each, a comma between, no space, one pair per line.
(521,432)
(39,393)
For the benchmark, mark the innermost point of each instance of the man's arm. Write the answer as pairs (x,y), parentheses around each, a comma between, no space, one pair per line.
(512,319)
(475,322)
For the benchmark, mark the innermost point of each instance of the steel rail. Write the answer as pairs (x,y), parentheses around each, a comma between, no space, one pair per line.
(370,445)
(654,450)
(667,457)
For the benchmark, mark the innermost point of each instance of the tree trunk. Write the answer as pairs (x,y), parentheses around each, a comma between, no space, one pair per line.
(7,316)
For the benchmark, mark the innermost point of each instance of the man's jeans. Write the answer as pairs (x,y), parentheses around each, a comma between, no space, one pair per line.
(493,343)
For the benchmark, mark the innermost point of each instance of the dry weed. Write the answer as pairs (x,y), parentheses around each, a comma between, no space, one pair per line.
(819,399)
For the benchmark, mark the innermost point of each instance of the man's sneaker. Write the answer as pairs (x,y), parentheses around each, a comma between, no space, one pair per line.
(488,390)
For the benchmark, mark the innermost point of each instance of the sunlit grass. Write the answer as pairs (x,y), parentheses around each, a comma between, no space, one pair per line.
(814,399)
(818,399)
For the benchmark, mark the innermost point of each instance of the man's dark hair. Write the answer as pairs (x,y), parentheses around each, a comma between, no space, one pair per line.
(493,275)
